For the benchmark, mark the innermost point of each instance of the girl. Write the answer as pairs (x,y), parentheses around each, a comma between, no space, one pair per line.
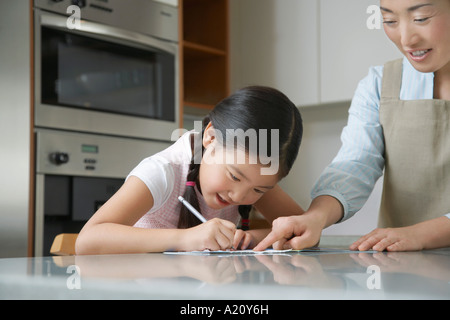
(400,116)
(145,214)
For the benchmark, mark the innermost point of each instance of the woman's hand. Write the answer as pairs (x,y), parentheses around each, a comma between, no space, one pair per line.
(430,234)
(303,231)
(390,239)
(295,232)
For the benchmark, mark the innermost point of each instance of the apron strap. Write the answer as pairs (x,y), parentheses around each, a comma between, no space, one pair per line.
(392,79)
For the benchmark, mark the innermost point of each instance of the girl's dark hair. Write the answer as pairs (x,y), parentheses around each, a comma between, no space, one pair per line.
(256,108)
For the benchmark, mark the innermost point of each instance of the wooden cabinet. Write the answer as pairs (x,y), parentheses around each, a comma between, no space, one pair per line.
(204,75)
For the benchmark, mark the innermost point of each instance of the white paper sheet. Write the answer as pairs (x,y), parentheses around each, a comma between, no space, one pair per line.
(229,252)
(267,251)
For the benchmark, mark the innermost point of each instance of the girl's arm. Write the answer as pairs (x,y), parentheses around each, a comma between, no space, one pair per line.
(277,203)
(110,230)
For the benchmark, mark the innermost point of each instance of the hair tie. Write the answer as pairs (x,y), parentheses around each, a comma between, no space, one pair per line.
(245,224)
(190,183)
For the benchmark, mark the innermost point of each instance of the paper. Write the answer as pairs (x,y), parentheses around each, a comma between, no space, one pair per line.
(267,251)
(229,252)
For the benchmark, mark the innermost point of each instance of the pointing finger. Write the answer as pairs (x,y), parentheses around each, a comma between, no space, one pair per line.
(271,238)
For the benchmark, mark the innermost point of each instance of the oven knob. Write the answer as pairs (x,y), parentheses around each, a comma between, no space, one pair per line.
(59,158)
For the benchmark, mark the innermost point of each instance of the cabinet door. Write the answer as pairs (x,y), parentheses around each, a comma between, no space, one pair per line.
(275,43)
(348,47)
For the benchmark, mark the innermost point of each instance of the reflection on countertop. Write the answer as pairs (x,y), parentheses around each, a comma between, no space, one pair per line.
(307,275)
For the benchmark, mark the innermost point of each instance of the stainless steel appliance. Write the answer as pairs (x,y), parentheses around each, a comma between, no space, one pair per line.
(75,174)
(115,72)
(105,98)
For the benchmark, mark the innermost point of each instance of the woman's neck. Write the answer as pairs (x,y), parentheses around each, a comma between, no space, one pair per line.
(442,83)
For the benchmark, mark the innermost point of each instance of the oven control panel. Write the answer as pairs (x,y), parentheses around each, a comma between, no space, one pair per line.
(81,154)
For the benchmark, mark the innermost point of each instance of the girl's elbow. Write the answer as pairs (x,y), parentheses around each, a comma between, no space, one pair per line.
(82,246)
(79,247)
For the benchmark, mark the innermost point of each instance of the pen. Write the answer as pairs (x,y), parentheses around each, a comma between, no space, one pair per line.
(192,209)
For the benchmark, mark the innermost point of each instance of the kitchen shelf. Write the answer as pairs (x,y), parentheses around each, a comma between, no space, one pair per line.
(206,22)
(194,50)
(204,53)
(198,105)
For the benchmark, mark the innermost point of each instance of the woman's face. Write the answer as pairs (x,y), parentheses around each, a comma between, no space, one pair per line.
(421,30)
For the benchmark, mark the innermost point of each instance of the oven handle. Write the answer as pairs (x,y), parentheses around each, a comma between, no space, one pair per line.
(110,32)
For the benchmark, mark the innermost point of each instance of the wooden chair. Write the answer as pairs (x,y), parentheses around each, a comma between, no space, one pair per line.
(64,244)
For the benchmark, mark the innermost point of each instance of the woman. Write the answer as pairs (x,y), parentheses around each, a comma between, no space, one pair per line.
(399,121)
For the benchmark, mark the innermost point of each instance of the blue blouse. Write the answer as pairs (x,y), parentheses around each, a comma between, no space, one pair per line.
(352,174)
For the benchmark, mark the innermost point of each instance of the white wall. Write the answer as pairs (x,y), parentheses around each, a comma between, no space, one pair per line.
(262,54)
(267,36)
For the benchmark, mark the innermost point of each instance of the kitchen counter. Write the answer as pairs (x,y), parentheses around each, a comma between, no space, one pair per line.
(307,275)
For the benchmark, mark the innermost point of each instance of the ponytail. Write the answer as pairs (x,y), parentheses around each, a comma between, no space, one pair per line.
(244,211)
(187,219)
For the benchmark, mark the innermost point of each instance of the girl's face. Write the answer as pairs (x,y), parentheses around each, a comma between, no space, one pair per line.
(421,30)
(225,183)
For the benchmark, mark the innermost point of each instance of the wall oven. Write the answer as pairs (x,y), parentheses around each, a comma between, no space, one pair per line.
(115,73)
(75,174)
(105,97)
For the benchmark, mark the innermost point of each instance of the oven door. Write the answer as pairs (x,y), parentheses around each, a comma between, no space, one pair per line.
(102,79)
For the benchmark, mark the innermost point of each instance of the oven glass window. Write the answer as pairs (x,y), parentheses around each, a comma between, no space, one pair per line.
(84,72)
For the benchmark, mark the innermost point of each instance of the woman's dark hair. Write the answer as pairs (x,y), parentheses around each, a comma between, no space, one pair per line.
(255,108)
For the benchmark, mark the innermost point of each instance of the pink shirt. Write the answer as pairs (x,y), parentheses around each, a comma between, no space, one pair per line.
(165,176)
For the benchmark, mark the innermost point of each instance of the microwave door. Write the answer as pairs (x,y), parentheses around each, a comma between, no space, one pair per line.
(127,81)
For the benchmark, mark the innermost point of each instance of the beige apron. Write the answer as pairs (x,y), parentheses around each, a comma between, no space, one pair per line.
(417,154)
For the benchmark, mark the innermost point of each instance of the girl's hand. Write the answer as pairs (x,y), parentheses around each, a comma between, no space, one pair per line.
(215,234)
(242,240)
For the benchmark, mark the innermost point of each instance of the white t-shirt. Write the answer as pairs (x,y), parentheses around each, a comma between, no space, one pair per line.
(165,176)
